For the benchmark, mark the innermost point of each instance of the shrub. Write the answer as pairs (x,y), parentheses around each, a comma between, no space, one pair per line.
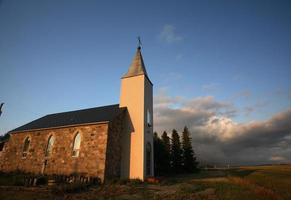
(116,181)
(18,181)
(69,188)
(125,181)
(42,180)
(134,182)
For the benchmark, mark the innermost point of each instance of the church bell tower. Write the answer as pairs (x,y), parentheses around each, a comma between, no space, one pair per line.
(136,95)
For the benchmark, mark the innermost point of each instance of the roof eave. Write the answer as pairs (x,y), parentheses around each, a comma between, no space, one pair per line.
(58,127)
(138,75)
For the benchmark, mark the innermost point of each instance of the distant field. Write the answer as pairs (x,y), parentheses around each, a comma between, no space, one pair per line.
(243,183)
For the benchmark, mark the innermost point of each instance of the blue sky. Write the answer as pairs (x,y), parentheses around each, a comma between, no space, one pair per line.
(61,55)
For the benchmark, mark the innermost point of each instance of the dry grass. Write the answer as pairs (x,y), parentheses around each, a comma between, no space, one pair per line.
(259,190)
(252,183)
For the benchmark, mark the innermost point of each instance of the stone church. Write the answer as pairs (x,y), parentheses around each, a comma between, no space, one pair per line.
(114,141)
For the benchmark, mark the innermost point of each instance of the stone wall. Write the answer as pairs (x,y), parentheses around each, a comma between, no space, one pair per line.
(90,162)
(113,154)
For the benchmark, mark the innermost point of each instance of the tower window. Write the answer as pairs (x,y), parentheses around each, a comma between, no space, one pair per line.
(149,119)
(49,146)
(76,146)
(25,147)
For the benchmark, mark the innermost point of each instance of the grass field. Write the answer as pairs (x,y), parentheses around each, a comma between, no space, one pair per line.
(243,183)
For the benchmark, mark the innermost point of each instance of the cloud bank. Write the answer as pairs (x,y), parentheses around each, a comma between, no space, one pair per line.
(217,138)
(169,35)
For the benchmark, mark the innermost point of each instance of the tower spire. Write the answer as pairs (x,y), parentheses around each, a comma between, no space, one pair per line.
(137,66)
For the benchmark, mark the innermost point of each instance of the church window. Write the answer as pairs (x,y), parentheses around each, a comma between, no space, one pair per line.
(76,147)
(25,147)
(148,158)
(49,147)
(149,119)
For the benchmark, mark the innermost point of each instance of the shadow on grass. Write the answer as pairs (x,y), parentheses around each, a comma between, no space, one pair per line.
(202,174)
(240,172)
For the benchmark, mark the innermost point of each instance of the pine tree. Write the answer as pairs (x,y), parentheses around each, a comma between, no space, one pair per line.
(158,154)
(188,158)
(167,150)
(4,137)
(161,154)
(176,153)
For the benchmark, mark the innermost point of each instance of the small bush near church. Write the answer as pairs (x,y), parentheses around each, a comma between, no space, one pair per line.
(11,179)
(126,181)
(69,188)
(42,180)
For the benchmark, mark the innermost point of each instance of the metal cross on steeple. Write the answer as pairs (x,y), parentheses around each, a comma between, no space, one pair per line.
(1,108)
(139,42)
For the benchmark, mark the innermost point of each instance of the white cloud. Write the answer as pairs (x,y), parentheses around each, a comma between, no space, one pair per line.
(169,35)
(277,158)
(217,137)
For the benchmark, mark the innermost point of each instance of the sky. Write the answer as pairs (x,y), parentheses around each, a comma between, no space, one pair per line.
(220,67)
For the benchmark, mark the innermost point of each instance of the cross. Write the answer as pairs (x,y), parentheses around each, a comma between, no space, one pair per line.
(139,42)
(1,108)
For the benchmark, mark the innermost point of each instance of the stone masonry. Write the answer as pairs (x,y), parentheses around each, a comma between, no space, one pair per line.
(114,145)
(90,162)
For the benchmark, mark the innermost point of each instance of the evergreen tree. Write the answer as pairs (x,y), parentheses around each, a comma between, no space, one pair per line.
(189,160)
(158,154)
(176,153)
(4,137)
(167,150)
(161,154)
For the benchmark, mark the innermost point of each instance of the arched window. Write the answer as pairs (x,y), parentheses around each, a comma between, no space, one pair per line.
(25,147)
(49,146)
(148,158)
(149,118)
(76,146)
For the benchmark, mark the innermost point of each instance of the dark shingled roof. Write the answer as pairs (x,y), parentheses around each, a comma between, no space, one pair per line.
(91,115)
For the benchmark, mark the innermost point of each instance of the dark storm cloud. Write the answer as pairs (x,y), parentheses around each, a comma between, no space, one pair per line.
(266,134)
(217,138)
